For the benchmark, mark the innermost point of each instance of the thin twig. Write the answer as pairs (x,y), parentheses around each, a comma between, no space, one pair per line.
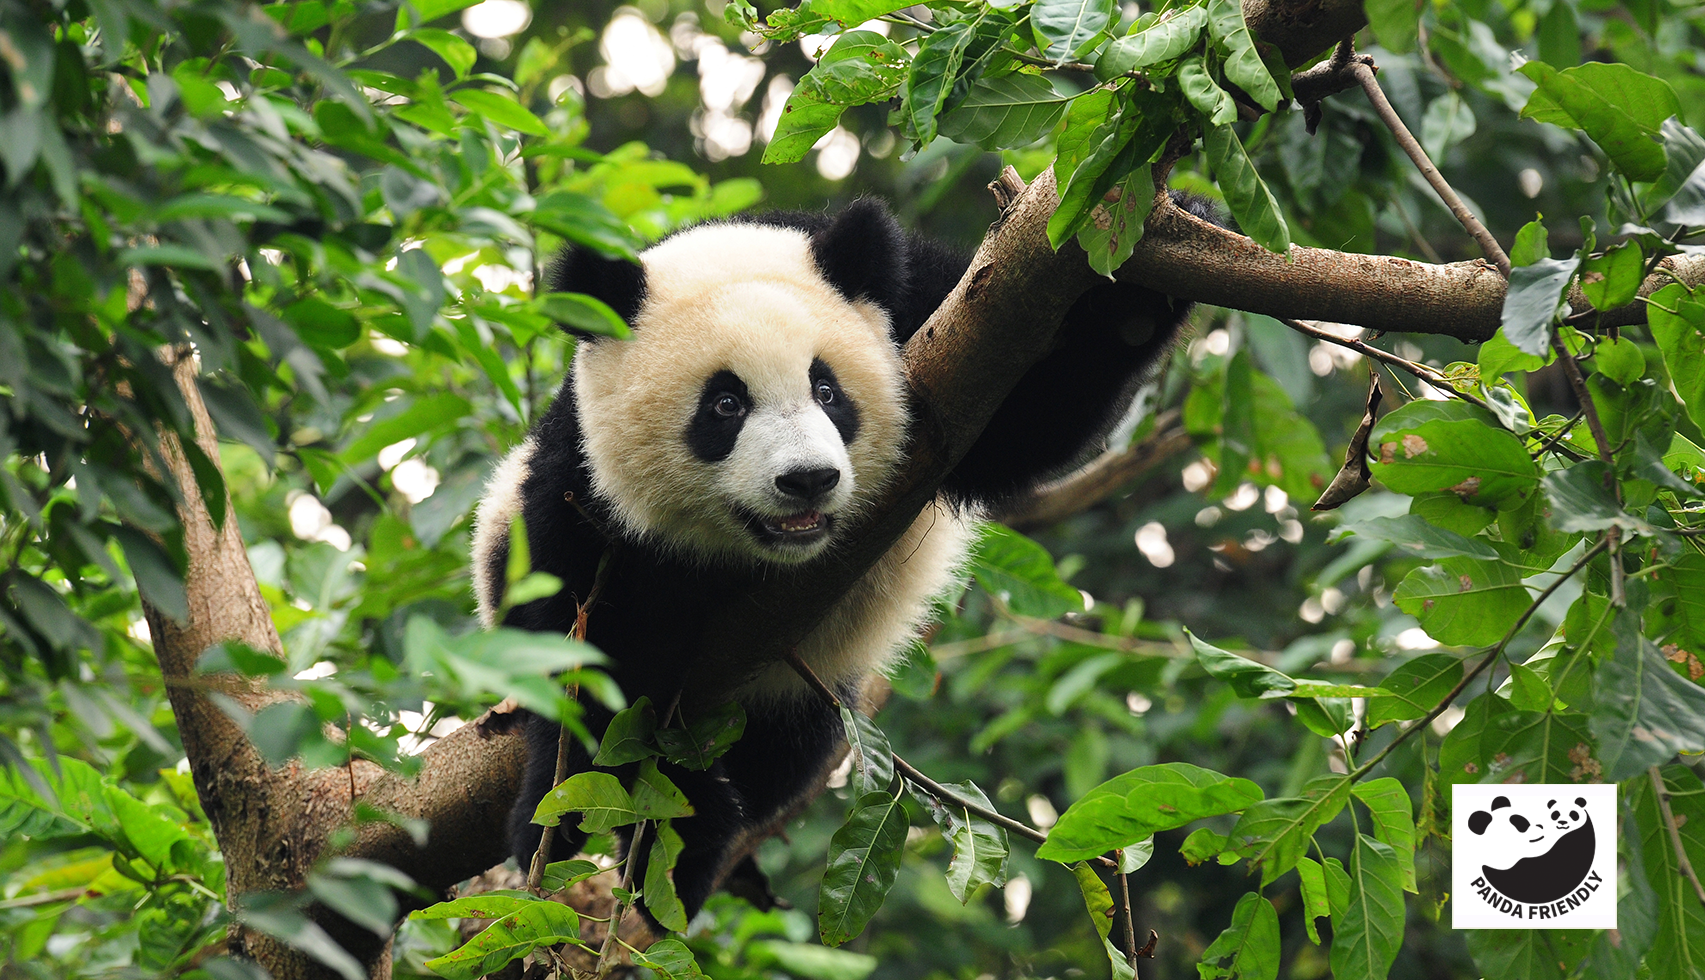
(1479,668)
(1422,371)
(911,772)
(1130,917)
(1406,139)
(606,953)
(1572,371)
(565,740)
(1686,866)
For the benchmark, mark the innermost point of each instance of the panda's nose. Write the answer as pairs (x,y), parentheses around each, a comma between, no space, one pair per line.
(1520,823)
(807,484)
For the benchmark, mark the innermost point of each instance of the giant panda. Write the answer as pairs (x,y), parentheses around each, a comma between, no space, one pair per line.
(758,407)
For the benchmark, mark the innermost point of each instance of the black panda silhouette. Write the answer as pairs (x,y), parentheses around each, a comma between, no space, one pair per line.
(1552,854)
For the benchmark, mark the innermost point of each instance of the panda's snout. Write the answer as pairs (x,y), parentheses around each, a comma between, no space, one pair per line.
(809,483)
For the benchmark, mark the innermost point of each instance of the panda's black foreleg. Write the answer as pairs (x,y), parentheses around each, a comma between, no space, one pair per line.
(782,754)
(1065,404)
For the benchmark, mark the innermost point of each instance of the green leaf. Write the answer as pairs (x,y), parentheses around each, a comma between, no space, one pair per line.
(456,52)
(501,109)
(1582,500)
(1498,356)
(1531,244)
(597,796)
(1314,904)
(655,796)
(1528,690)
(1393,821)
(809,960)
(1246,194)
(1365,941)
(263,912)
(560,876)
(321,324)
(1114,227)
(157,577)
(660,897)
(1421,538)
(1531,304)
(670,959)
(862,66)
(705,738)
(864,860)
(1140,803)
(1247,677)
(1613,279)
(1448,121)
(1066,28)
(932,79)
(872,759)
(1395,23)
(1250,943)
(1202,844)
(1174,34)
(813,15)
(1677,317)
(980,848)
(1478,462)
(1021,573)
(1679,944)
(1243,65)
(1645,712)
(1618,108)
(1620,360)
(628,738)
(1418,686)
(1007,112)
(1105,163)
(488,905)
(1205,94)
(1274,834)
(515,935)
(582,312)
(416,417)
(1464,601)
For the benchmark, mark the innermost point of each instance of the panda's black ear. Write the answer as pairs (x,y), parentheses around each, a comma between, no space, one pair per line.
(617,282)
(863,254)
(1500,802)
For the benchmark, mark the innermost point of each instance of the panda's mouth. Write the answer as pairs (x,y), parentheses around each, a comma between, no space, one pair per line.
(805,527)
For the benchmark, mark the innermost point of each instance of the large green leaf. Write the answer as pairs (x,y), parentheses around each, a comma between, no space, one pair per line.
(597,796)
(1535,292)
(1619,108)
(1420,537)
(1175,33)
(1418,686)
(1140,803)
(1393,821)
(1066,28)
(1464,601)
(1248,949)
(1478,462)
(1243,65)
(1366,939)
(515,935)
(1205,94)
(501,109)
(1395,23)
(872,759)
(980,847)
(660,897)
(934,77)
(1274,833)
(864,860)
(1022,574)
(1677,319)
(1007,112)
(1645,712)
(1678,948)
(862,66)
(1246,194)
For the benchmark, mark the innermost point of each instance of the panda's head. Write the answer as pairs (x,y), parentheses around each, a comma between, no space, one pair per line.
(760,400)
(1515,835)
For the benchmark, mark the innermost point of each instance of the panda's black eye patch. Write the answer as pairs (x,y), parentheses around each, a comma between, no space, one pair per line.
(724,403)
(827,392)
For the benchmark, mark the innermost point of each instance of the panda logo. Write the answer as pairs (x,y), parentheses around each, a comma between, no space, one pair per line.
(1539,856)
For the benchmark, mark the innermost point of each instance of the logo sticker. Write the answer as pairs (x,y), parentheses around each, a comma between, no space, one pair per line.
(1539,856)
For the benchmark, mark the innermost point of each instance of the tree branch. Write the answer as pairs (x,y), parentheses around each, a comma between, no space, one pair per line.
(1182,255)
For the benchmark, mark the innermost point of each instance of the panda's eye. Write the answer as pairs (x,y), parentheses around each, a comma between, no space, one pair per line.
(825,393)
(728,406)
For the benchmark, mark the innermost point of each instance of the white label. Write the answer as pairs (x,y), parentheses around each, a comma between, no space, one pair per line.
(1539,856)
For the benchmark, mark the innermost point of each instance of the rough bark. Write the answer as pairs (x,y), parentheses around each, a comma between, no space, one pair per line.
(273,824)
(1183,255)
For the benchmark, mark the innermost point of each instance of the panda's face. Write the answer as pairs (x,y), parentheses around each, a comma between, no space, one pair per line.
(1516,835)
(755,409)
